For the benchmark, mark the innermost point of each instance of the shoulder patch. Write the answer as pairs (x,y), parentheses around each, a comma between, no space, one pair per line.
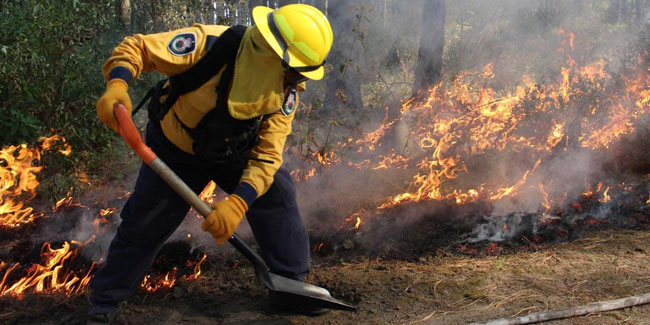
(289,105)
(182,44)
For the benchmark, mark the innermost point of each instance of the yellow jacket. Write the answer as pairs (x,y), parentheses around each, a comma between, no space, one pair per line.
(256,90)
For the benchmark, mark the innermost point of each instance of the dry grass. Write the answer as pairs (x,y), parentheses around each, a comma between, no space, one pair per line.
(445,288)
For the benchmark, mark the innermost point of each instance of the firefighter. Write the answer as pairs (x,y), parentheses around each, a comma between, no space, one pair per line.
(229,127)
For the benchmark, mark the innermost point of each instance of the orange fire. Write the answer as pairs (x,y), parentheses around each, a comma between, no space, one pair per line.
(326,158)
(208,192)
(67,201)
(303,175)
(356,219)
(463,121)
(197,268)
(18,181)
(153,284)
(52,275)
(168,280)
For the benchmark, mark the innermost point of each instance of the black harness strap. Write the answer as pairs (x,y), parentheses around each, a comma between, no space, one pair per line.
(223,51)
(218,137)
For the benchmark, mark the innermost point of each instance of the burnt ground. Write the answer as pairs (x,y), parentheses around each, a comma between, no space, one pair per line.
(454,284)
(424,271)
(445,287)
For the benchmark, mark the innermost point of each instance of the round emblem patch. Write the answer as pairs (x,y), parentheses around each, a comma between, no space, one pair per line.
(289,104)
(182,44)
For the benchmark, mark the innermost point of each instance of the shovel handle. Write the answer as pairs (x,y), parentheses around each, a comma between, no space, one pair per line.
(130,134)
(132,137)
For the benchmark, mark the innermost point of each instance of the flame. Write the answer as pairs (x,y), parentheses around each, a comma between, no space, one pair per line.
(391,161)
(107,211)
(557,133)
(18,181)
(302,175)
(152,284)
(452,125)
(371,140)
(52,275)
(66,202)
(55,272)
(326,158)
(493,248)
(546,203)
(197,269)
(49,142)
(592,193)
(208,192)
(606,197)
(17,184)
(356,219)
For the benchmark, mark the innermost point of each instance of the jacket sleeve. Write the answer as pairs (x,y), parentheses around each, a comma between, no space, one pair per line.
(146,53)
(258,175)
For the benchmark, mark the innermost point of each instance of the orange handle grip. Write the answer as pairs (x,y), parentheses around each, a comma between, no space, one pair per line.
(130,134)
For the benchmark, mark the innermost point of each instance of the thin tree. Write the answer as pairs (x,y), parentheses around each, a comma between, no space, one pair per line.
(432,42)
(343,83)
(125,15)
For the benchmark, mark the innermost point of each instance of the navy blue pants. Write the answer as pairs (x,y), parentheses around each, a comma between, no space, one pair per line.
(154,211)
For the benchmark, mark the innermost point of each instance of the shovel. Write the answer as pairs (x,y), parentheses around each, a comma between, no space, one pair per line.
(291,291)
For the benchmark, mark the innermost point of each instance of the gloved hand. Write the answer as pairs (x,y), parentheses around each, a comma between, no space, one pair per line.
(225,217)
(116,92)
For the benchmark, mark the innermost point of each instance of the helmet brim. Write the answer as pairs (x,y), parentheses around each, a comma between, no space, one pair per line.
(260,14)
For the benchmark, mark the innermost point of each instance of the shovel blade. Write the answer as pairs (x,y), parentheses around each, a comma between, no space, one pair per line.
(296,292)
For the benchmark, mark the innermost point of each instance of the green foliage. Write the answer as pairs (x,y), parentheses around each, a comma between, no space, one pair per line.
(163,15)
(49,78)
(51,53)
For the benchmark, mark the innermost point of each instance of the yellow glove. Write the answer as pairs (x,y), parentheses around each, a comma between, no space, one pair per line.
(116,92)
(225,217)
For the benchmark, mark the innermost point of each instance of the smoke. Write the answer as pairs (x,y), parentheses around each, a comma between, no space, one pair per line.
(519,38)
(524,42)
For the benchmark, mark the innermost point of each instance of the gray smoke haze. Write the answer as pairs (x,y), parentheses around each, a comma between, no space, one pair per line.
(518,37)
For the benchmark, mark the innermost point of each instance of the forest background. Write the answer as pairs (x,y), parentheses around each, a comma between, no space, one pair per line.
(52,52)
(435,258)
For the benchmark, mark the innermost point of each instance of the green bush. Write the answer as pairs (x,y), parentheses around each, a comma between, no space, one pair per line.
(49,79)
(51,53)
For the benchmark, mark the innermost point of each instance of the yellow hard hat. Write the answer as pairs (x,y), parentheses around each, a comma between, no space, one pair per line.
(300,34)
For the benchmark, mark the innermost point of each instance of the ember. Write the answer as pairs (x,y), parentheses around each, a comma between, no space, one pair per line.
(153,284)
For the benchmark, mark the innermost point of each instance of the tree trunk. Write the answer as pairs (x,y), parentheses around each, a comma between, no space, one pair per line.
(125,15)
(432,42)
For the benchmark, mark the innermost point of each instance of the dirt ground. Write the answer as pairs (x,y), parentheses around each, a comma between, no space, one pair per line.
(424,273)
(445,287)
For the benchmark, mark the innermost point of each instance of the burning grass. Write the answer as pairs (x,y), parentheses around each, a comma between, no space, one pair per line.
(477,174)
(60,267)
(569,152)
